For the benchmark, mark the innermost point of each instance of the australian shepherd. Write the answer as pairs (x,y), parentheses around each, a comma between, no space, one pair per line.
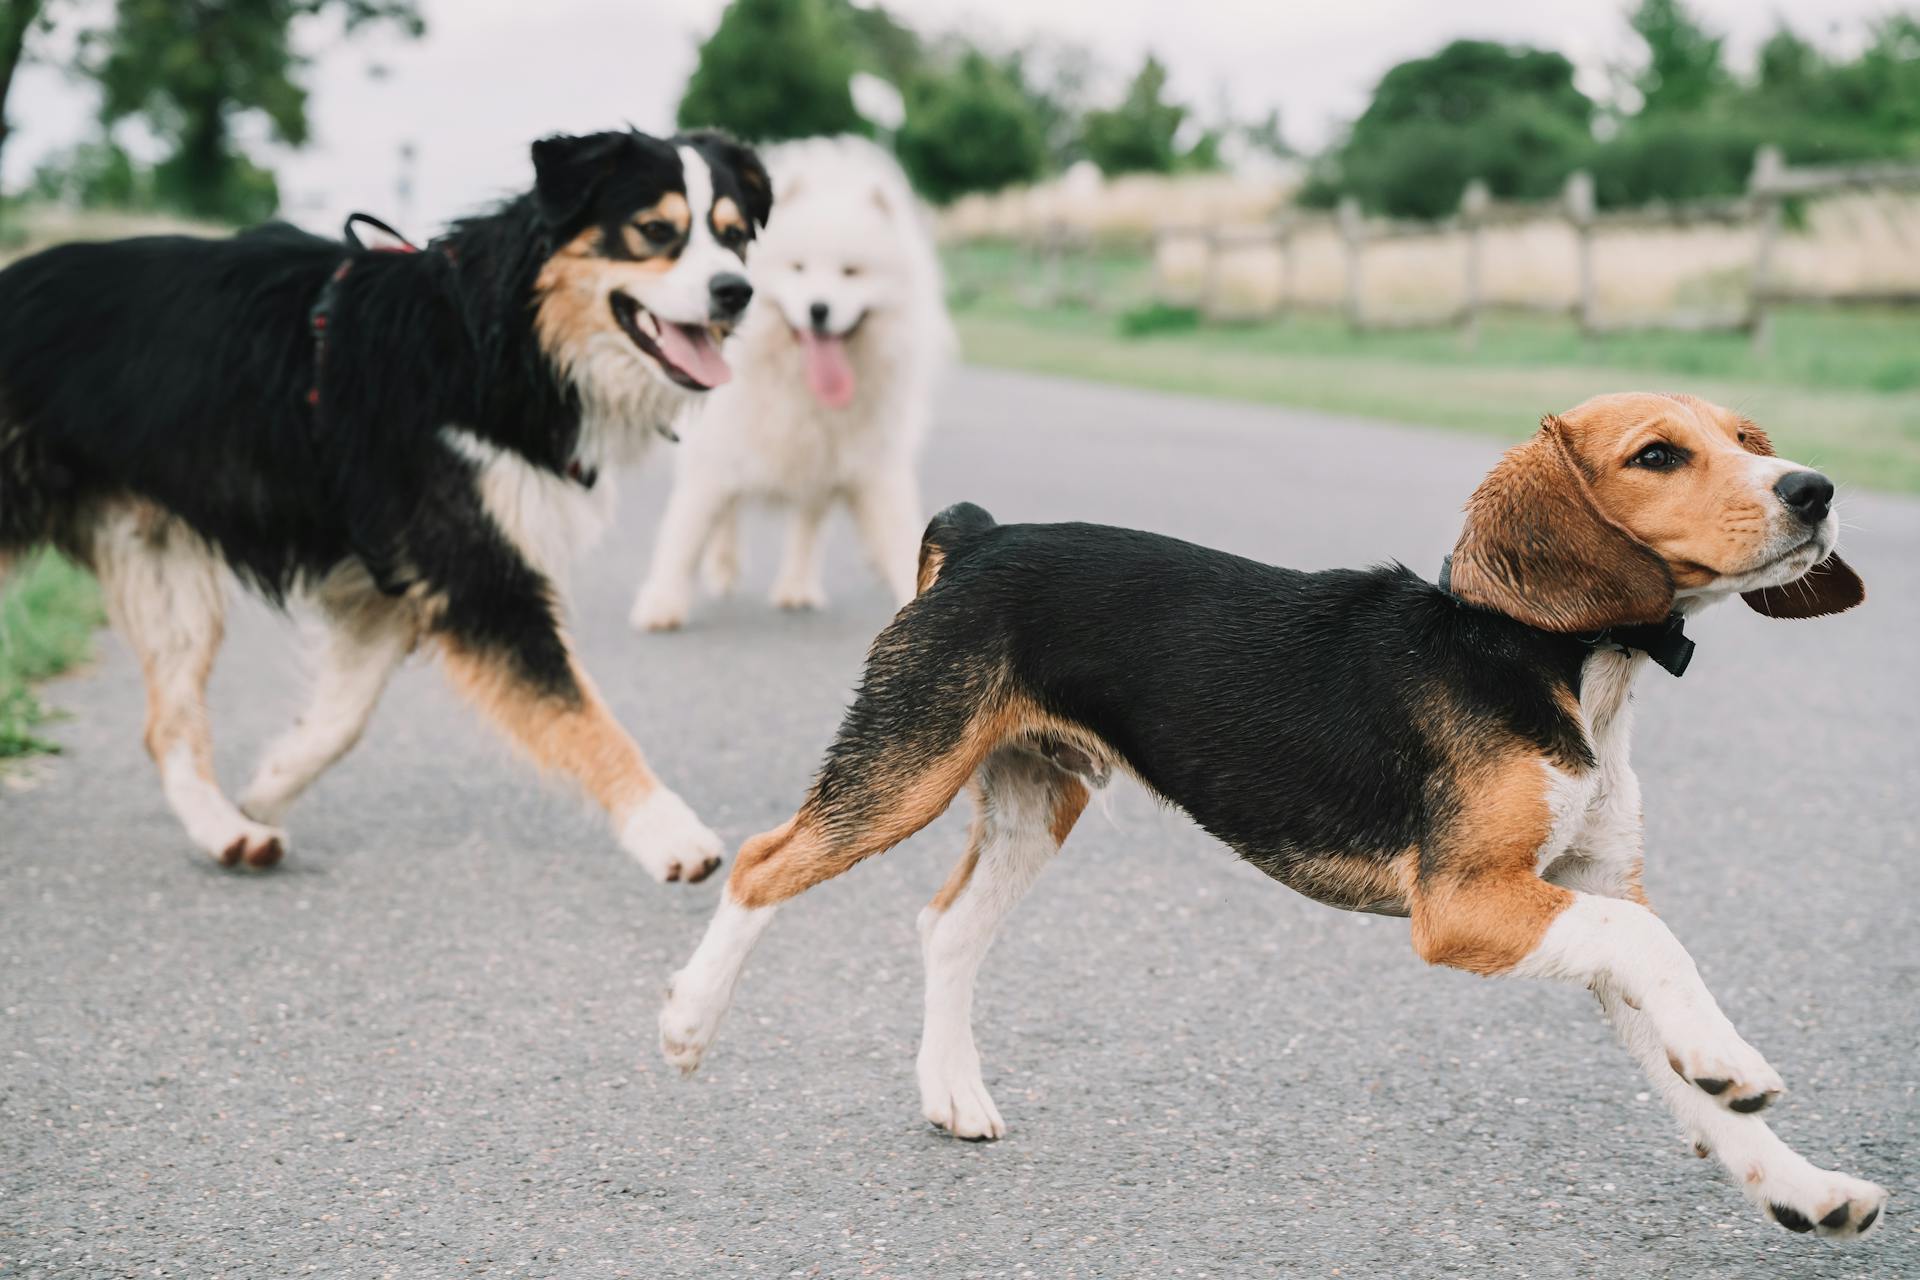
(412,440)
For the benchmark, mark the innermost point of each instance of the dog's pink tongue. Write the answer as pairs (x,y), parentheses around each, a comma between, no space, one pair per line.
(829,372)
(694,353)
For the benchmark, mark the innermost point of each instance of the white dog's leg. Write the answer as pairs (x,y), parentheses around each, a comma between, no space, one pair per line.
(720,563)
(667,594)
(887,510)
(361,654)
(1024,808)
(798,585)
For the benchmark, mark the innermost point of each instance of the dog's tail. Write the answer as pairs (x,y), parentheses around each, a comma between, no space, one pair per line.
(951,535)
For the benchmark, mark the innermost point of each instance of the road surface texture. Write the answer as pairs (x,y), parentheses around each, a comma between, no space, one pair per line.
(425,1046)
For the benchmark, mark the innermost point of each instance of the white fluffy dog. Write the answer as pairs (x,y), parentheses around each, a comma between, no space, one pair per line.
(834,373)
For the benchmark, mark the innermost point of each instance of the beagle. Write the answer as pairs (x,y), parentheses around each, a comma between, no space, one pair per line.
(1455,755)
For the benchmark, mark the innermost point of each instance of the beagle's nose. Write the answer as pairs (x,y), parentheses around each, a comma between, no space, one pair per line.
(730,294)
(1808,494)
(819,313)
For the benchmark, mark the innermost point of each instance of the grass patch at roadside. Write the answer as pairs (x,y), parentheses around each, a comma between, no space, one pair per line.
(48,614)
(1836,388)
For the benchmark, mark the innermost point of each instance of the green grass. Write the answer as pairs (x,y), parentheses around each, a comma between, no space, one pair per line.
(48,614)
(1840,389)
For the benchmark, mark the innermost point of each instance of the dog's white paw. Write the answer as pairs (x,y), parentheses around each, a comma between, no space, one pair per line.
(665,837)
(795,596)
(249,844)
(688,1022)
(1726,1068)
(1802,1198)
(953,1097)
(659,608)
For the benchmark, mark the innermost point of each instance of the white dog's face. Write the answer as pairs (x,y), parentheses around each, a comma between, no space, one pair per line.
(830,260)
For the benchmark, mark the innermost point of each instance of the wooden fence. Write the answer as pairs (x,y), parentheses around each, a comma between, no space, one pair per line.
(1302,240)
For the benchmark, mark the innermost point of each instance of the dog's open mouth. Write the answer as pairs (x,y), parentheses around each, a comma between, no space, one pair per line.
(689,353)
(829,371)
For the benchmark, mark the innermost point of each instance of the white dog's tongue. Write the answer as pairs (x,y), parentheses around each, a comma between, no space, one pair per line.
(694,352)
(829,372)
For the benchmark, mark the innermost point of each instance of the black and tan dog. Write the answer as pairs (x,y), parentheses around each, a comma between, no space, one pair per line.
(410,439)
(1366,737)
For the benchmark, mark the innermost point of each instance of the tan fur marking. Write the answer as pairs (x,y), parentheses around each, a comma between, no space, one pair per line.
(1478,905)
(931,558)
(805,850)
(963,870)
(1069,802)
(583,741)
(670,208)
(727,215)
(1355,882)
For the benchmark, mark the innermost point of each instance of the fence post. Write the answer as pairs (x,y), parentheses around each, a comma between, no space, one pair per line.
(1283,241)
(1473,211)
(1352,238)
(1210,277)
(1763,191)
(1579,204)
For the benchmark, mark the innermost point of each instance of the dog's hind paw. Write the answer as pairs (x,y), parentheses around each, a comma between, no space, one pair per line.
(665,837)
(687,1027)
(254,846)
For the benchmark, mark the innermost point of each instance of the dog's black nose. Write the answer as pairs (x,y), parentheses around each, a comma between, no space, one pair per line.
(730,294)
(819,313)
(1808,494)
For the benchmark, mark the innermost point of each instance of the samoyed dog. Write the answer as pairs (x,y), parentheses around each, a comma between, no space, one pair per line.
(835,369)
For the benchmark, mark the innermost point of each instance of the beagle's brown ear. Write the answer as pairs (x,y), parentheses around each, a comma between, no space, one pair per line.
(1537,548)
(1829,587)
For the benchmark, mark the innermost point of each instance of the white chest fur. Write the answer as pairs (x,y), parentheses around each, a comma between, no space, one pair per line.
(549,518)
(1595,837)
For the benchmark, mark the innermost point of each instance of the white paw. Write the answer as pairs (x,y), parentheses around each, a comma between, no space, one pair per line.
(665,837)
(1803,1198)
(250,844)
(688,1022)
(659,608)
(953,1097)
(798,595)
(1716,1061)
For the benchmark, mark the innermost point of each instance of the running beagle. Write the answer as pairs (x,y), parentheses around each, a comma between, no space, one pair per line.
(1456,754)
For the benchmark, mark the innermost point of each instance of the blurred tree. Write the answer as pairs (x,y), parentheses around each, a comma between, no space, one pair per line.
(1508,115)
(1266,137)
(1683,71)
(883,44)
(18,20)
(191,68)
(1054,77)
(970,129)
(775,69)
(1138,135)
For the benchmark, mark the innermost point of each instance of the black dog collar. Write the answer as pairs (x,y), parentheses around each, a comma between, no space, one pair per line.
(1665,642)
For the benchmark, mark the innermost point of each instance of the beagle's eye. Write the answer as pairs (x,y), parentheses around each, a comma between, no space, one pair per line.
(1658,457)
(658,231)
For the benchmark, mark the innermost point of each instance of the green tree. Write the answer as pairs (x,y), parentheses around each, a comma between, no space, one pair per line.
(970,129)
(191,68)
(18,20)
(1510,116)
(775,69)
(1684,73)
(1138,135)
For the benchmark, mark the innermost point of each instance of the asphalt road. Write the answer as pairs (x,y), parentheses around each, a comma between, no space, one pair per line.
(426,1046)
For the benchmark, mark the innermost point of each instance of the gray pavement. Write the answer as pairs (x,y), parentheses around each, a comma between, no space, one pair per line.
(425,1047)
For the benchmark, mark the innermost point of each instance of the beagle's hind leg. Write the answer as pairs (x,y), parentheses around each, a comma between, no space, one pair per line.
(1024,807)
(929,710)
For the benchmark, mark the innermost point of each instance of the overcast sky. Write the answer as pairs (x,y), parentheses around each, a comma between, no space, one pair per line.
(493,74)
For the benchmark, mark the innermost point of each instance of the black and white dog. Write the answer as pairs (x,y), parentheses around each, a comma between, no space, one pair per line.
(410,439)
